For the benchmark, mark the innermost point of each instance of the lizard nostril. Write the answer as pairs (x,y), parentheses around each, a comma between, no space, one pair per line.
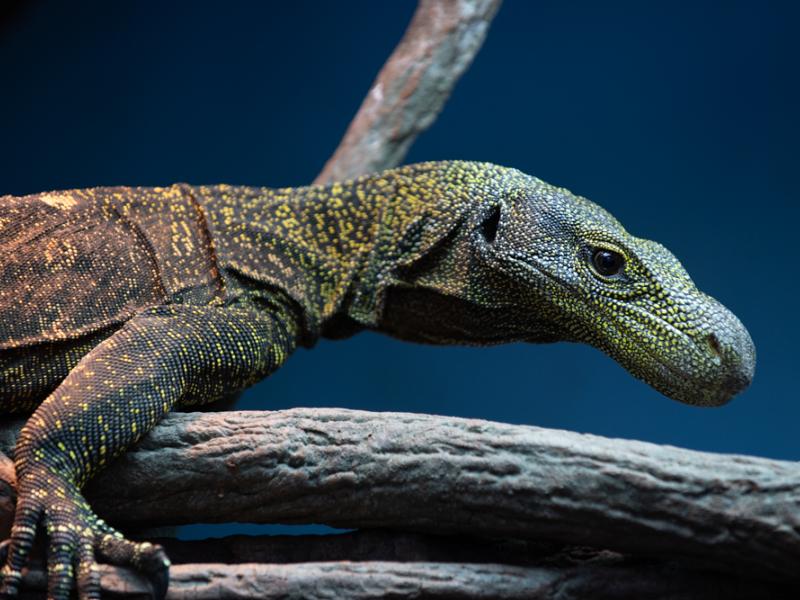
(713,345)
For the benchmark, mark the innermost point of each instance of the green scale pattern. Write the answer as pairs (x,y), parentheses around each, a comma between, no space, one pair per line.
(118,304)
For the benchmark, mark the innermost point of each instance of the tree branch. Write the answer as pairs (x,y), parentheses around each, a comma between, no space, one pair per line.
(411,89)
(398,580)
(449,475)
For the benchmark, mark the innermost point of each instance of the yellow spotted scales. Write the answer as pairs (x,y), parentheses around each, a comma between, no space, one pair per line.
(117,304)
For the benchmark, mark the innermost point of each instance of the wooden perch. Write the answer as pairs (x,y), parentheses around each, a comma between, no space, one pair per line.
(414,580)
(397,565)
(411,89)
(449,475)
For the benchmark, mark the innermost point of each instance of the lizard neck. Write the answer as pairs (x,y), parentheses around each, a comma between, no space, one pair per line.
(423,207)
(311,243)
(335,250)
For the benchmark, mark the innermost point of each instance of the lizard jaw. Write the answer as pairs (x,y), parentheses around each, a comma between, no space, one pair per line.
(707,368)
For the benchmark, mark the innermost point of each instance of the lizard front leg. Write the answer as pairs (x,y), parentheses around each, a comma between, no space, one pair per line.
(113,396)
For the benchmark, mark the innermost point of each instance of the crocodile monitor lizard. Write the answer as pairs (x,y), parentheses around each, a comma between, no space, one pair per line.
(118,304)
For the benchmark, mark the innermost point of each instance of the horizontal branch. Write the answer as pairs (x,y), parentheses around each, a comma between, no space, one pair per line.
(385,564)
(412,87)
(397,580)
(356,469)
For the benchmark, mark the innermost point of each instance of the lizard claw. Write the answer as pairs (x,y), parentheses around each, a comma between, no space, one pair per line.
(159,578)
(159,582)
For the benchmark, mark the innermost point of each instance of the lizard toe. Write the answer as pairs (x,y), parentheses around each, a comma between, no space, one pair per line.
(17,548)
(88,575)
(149,559)
(69,553)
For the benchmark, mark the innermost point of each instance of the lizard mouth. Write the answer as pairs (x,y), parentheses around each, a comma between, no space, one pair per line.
(707,369)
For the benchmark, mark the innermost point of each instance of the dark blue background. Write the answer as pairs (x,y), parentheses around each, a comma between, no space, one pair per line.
(680,118)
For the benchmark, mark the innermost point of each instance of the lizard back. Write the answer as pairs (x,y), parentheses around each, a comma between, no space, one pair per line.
(76,265)
(69,266)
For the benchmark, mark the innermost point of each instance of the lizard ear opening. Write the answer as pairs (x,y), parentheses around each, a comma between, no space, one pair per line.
(490,224)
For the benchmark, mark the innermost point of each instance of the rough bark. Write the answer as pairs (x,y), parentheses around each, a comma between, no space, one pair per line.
(443,38)
(398,565)
(453,581)
(449,475)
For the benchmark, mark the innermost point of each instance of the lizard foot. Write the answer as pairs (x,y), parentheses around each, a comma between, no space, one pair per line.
(76,535)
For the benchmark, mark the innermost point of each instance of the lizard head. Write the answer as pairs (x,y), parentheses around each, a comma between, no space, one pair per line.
(529,261)
(627,296)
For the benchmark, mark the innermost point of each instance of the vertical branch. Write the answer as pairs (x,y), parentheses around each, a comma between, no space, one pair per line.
(443,38)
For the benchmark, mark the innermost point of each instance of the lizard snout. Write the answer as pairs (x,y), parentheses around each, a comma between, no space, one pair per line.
(732,351)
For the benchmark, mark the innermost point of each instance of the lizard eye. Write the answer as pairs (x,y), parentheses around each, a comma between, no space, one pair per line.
(607,262)
(490,224)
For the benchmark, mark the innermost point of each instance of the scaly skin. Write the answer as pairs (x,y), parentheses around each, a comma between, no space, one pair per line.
(118,304)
